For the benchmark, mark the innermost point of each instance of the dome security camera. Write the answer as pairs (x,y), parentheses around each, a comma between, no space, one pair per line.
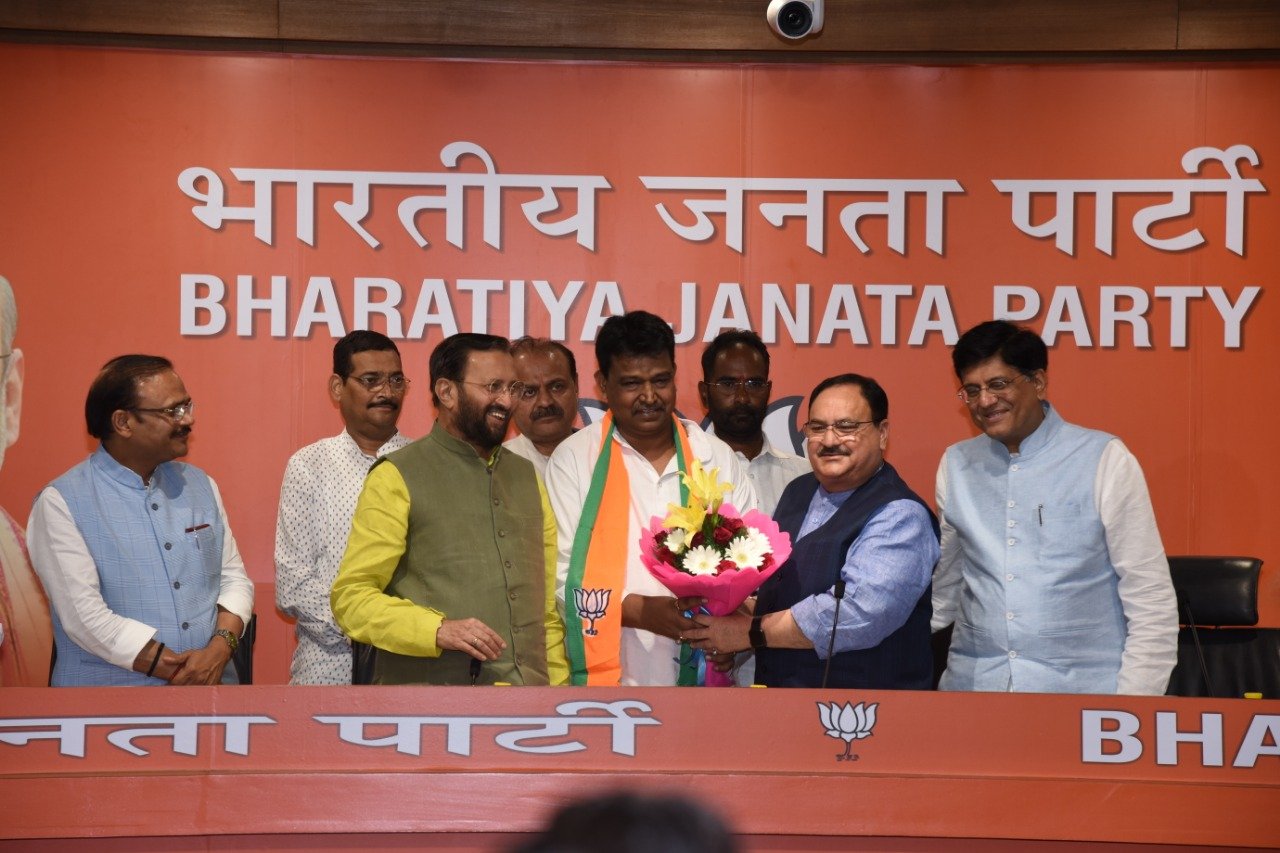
(795,19)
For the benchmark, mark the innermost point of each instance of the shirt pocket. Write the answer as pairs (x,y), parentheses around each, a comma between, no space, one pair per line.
(201,540)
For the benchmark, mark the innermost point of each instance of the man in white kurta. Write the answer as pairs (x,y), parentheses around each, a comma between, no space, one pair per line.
(637,379)
(318,499)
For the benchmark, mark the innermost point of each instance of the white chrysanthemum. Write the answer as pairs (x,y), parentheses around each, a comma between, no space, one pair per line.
(677,540)
(702,560)
(746,554)
(756,541)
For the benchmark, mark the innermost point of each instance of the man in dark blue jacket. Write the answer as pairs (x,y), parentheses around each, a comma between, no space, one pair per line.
(861,539)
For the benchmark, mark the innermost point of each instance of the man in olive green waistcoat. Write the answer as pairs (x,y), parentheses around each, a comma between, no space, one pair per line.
(450,566)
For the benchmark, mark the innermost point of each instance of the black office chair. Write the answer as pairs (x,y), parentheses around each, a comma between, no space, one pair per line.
(1220,652)
(363,657)
(243,655)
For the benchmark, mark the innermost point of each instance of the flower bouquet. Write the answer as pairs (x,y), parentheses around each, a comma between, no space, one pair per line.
(709,549)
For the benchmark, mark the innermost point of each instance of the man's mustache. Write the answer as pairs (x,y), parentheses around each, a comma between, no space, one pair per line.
(835,450)
(551,411)
(385,403)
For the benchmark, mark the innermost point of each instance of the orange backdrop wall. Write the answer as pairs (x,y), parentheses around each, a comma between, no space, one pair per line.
(879,214)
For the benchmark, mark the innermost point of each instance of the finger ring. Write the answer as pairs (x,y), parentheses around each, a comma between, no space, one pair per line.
(681,638)
(475,641)
(714,652)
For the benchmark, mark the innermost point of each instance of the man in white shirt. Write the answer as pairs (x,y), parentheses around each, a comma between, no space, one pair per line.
(318,498)
(623,626)
(735,390)
(548,405)
(134,550)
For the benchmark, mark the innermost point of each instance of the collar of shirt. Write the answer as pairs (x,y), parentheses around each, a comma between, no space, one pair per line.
(1038,440)
(104,462)
(349,445)
(766,448)
(697,444)
(452,443)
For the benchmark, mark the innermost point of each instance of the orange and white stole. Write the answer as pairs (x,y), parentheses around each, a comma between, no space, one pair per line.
(598,563)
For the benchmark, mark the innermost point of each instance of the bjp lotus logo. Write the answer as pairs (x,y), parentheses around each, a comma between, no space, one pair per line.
(848,722)
(591,604)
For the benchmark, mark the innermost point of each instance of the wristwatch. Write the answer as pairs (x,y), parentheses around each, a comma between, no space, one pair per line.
(232,640)
(756,634)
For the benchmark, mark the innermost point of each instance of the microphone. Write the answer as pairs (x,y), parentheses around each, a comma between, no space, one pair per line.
(475,671)
(838,592)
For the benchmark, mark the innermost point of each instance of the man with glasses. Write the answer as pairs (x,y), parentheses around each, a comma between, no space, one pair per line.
(449,570)
(548,406)
(318,498)
(850,608)
(142,572)
(1052,567)
(606,482)
(735,390)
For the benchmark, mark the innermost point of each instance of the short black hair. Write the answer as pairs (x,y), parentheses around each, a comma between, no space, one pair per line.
(626,822)
(728,340)
(1017,346)
(116,387)
(361,340)
(871,392)
(449,358)
(634,334)
(546,345)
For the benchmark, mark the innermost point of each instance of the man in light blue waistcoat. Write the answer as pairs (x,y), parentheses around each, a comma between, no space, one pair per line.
(1052,569)
(142,572)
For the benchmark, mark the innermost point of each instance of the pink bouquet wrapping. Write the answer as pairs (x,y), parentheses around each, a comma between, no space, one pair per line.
(711,550)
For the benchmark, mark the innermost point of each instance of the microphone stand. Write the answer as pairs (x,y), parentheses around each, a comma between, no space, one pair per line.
(838,592)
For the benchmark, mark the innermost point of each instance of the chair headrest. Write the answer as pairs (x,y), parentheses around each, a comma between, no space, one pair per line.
(1220,590)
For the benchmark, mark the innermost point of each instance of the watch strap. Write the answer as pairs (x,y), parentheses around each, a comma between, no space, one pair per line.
(232,640)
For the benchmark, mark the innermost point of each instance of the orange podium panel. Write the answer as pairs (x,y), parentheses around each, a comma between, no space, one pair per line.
(475,765)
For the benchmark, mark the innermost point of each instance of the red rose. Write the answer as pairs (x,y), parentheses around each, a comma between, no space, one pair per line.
(697,539)
(722,536)
(733,525)
(726,566)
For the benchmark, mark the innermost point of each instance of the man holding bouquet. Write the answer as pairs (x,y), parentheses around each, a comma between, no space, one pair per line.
(607,481)
(851,606)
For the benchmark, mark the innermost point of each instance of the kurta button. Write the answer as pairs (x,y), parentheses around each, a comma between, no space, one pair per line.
(512,596)
(1009,576)
(515,629)
(1012,655)
(1012,541)
(1012,523)
(155,506)
(177,584)
(506,563)
(1008,615)
(502,533)
(168,546)
(1012,504)
(184,626)
(1013,467)
(497,502)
